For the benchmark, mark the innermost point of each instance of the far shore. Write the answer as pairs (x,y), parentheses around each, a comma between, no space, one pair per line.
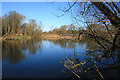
(44,36)
(55,36)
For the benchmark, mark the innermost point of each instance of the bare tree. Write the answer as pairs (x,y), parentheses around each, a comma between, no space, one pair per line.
(98,13)
(102,21)
(11,22)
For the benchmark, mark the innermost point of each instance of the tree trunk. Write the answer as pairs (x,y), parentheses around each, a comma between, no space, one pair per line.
(114,19)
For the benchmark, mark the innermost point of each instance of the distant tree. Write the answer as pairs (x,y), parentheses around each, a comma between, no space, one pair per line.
(63,29)
(71,29)
(32,26)
(11,22)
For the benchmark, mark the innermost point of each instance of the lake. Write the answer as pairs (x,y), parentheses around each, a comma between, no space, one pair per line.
(37,58)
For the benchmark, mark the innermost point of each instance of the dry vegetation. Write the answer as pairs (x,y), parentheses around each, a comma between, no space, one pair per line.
(55,37)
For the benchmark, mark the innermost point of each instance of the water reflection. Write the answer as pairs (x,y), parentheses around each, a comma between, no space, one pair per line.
(64,43)
(98,63)
(32,45)
(105,64)
(71,44)
(33,57)
(13,51)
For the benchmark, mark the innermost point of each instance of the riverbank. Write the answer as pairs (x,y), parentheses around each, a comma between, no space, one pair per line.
(44,36)
(13,37)
(56,37)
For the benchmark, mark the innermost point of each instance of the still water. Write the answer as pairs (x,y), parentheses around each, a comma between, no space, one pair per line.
(42,58)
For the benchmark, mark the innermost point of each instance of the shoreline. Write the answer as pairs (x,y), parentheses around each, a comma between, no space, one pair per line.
(12,37)
(44,36)
(56,37)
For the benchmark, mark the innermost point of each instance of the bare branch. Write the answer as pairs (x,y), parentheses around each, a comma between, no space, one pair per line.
(112,8)
(114,4)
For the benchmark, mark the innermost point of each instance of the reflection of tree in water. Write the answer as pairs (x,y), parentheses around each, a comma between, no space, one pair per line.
(71,44)
(104,63)
(32,45)
(65,43)
(13,50)
(97,64)
(0,52)
(90,44)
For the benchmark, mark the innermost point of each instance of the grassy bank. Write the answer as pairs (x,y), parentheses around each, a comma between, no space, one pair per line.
(55,37)
(44,36)
(13,37)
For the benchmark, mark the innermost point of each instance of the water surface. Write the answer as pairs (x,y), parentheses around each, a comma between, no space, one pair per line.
(42,58)
(37,58)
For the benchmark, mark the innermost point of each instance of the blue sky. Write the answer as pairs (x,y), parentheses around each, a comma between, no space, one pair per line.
(40,11)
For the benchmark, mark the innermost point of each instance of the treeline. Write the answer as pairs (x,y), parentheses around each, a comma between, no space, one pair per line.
(13,24)
(97,29)
(66,29)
